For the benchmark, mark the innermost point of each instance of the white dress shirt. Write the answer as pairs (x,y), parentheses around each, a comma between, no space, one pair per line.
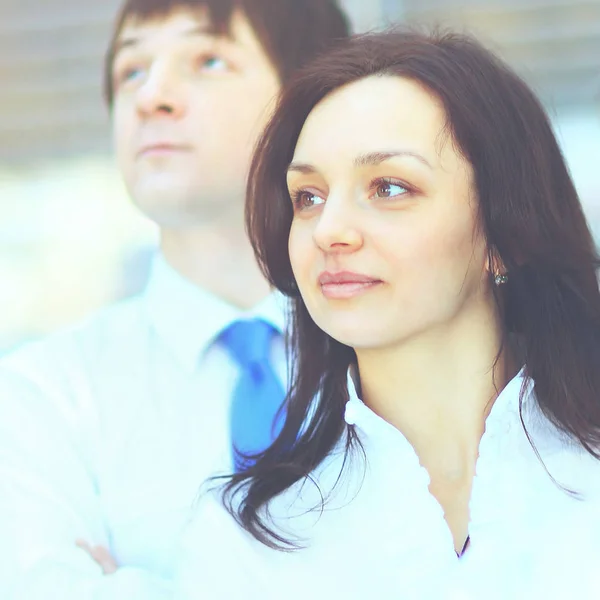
(383,535)
(107,432)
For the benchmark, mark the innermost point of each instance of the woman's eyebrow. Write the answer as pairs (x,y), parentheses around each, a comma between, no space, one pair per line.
(364,160)
(376,158)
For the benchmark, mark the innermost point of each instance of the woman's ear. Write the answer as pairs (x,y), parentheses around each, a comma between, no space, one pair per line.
(496,267)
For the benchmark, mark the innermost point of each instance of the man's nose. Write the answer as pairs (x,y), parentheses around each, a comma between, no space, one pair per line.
(162,93)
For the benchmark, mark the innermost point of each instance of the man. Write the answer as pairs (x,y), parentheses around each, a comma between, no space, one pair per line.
(108,430)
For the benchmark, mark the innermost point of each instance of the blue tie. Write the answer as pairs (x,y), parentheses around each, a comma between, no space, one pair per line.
(258,393)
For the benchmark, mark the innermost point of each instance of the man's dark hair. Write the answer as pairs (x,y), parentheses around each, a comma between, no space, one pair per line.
(292,32)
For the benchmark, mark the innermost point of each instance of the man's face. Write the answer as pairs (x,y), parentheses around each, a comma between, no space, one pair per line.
(188,107)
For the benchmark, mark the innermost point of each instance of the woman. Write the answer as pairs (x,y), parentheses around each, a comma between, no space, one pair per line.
(446,330)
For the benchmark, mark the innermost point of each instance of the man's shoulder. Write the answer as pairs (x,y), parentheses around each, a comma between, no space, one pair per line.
(108,333)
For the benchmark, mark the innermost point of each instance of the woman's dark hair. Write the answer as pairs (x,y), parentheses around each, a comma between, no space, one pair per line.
(531,217)
(292,32)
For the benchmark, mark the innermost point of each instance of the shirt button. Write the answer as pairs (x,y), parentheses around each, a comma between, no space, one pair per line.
(350,414)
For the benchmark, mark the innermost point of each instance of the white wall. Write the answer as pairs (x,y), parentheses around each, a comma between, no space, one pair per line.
(578,132)
(365,14)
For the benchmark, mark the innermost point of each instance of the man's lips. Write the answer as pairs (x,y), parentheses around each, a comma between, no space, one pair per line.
(346,284)
(160,148)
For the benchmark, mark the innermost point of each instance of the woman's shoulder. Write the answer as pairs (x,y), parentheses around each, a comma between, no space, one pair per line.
(330,557)
(291,513)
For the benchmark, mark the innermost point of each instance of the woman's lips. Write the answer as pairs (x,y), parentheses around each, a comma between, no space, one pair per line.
(345,284)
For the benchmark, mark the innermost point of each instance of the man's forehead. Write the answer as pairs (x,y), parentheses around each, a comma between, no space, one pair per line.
(177,23)
(237,35)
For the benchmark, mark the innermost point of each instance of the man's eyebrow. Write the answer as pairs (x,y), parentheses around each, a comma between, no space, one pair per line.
(371,159)
(131,41)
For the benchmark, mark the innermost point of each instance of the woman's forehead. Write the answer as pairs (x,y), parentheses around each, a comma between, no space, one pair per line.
(374,115)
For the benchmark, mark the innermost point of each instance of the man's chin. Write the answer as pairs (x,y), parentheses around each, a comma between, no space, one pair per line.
(176,208)
(162,199)
(175,200)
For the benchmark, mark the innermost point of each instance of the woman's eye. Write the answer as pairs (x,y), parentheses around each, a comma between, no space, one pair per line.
(306,200)
(389,189)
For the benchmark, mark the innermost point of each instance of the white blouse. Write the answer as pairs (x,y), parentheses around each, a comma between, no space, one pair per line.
(382,534)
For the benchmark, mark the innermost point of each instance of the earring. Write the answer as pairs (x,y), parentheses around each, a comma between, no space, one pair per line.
(500,279)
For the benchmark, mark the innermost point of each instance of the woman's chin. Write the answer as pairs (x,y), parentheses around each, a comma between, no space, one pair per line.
(358,336)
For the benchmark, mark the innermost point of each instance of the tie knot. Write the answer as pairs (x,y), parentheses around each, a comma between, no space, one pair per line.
(249,341)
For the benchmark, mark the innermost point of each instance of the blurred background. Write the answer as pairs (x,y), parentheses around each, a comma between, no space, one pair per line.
(69,239)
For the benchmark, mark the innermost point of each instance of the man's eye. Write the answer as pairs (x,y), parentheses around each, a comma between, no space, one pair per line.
(129,74)
(213,63)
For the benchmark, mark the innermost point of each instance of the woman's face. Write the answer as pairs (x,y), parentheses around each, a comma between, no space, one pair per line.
(385,242)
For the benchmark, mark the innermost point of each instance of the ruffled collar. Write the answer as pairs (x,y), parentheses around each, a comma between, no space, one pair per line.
(502,415)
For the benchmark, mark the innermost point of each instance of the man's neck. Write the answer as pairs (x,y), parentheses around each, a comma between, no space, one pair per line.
(217,259)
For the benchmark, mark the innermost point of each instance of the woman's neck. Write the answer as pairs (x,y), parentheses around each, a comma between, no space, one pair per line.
(438,389)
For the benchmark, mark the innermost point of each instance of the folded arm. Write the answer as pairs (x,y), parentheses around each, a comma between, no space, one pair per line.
(49,500)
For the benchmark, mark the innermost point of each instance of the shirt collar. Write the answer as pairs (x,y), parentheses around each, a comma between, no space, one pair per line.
(504,408)
(188,319)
